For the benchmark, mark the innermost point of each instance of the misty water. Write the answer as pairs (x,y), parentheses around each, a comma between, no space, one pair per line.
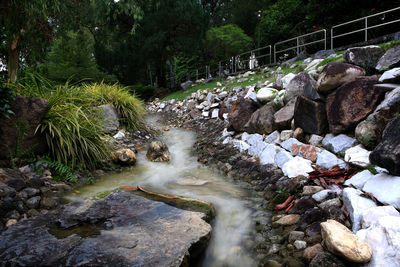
(233,226)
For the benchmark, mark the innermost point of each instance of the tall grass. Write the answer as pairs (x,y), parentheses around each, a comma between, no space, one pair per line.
(74,131)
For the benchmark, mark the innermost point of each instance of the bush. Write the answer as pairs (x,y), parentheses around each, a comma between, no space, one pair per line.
(6,98)
(143,91)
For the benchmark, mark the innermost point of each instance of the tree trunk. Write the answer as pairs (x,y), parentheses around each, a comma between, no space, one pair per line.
(13,60)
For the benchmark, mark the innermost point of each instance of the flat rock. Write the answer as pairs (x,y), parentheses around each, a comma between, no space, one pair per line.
(355,204)
(358,156)
(266,94)
(385,188)
(359,180)
(273,138)
(315,140)
(284,116)
(287,220)
(129,230)
(310,116)
(351,103)
(297,166)
(338,144)
(322,195)
(311,190)
(372,215)
(390,59)
(288,144)
(390,76)
(305,151)
(341,241)
(282,157)
(384,239)
(336,74)
(267,156)
(328,160)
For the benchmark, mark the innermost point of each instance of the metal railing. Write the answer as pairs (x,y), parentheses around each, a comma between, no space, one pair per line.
(299,44)
(365,28)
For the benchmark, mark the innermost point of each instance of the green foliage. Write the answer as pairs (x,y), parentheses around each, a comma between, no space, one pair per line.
(143,91)
(226,41)
(63,172)
(22,127)
(328,60)
(388,45)
(372,169)
(6,98)
(182,67)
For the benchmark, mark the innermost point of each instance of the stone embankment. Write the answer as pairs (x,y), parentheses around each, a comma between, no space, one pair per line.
(324,145)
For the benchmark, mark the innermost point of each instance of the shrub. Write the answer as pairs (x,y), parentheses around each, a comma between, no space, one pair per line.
(6,98)
(143,91)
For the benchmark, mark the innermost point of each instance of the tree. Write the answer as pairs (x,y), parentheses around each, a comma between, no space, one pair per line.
(226,41)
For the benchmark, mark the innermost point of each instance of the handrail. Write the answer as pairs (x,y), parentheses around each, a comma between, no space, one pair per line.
(365,28)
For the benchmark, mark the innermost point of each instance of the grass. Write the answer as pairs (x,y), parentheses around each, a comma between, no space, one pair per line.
(328,60)
(388,45)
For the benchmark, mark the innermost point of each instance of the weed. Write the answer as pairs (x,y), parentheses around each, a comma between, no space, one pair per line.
(63,172)
(372,169)
(328,60)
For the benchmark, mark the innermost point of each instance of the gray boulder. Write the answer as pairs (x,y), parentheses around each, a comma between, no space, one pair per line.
(110,117)
(310,116)
(390,76)
(321,54)
(240,113)
(186,85)
(297,85)
(261,121)
(390,59)
(284,116)
(365,57)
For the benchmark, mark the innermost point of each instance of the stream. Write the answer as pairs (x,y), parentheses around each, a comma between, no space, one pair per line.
(232,241)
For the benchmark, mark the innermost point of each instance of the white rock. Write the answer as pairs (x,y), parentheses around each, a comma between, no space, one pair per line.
(307,60)
(215,113)
(225,116)
(297,166)
(227,140)
(267,156)
(282,157)
(252,139)
(162,106)
(226,133)
(315,140)
(205,114)
(266,94)
(219,84)
(249,92)
(120,135)
(359,180)
(286,135)
(384,239)
(223,94)
(355,205)
(357,155)
(328,160)
(338,144)
(385,188)
(273,138)
(215,105)
(286,79)
(313,64)
(289,143)
(256,149)
(299,244)
(241,145)
(389,75)
(371,216)
(322,195)
(278,100)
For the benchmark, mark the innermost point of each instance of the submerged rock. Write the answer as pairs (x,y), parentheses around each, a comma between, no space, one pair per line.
(158,152)
(123,229)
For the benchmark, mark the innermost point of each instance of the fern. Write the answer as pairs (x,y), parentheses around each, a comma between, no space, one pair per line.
(63,171)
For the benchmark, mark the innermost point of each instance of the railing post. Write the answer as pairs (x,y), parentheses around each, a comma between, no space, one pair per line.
(332,38)
(197,74)
(219,69)
(297,45)
(274,54)
(366,28)
(325,39)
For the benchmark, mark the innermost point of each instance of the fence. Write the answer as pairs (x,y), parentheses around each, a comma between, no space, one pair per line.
(259,57)
(366,26)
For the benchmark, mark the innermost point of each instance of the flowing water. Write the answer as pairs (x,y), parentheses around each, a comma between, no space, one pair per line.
(233,225)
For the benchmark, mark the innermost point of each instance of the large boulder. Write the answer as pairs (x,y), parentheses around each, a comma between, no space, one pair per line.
(109,115)
(390,76)
(266,94)
(286,79)
(261,121)
(351,103)
(310,91)
(387,153)
(240,113)
(310,116)
(123,229)
(28,113)
(158,152)
(284,116)
(336,74)
(365,57)
(296,86)
(390,59)
(342,242)
(369,131)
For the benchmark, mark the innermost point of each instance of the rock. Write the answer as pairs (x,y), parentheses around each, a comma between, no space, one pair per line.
(124,156)
(17,184)
(341,241)
(282,157)
(287,220)
(371,216)
(365,57)
(387,153)
(273,138)
(110,117)
(286,135)
(261,121)
(315,140)
(284,116)
(241,112)
(214,113)
(324,53)
(390,59)
(358,156)
(297,166)
(295,235)
(336,74)
(302,205)
(266,94)
(310,116)
(267,156)
(383,238)
(191,181)
(240,145)
(252,139)
(11,222)
(305,151)
(312,65)
(322,195)
(338,144)
(311,190)
(311,252)
(298,134)
(288,144)
(165,128)
(384,188)
(355,205)
(299,244)
(351,103)
(335,202)
(310,91)
(158,152)
(6,191)
(390,76)
(33,202)
(48,202)
(257,148)
(327,160)
(325,259)
(186,85)
(286,80)
(137,232)
(296,86)
(359,180)
(28,113)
